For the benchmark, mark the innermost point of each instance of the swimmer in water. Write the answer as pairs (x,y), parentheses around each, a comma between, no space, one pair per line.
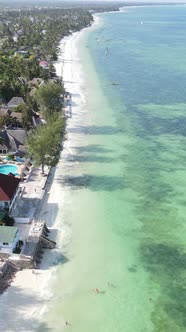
(97,291)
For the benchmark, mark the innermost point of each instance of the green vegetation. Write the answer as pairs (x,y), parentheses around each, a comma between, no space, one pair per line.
(11,157)
(45,142)
(18,248)
(29,42)
(29,39)
(5,219)
(48,98)
(5,121)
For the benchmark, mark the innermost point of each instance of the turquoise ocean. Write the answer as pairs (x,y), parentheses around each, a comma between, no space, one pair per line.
(125,184)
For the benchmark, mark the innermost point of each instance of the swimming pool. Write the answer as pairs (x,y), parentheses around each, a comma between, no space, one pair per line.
(6,169)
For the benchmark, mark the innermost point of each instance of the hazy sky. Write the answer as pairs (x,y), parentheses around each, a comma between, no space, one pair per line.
(92,1)
(127,1)
(124,1)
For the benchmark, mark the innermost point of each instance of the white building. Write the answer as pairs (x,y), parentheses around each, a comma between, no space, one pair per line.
(9,236)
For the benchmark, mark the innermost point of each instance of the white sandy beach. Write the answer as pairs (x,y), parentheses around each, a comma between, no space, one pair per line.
(23,305)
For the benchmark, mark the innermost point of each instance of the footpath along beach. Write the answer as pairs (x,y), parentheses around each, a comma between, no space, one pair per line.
(23,305)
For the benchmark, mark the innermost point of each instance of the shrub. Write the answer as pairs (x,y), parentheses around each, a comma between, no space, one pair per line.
(9,220)
(11,156)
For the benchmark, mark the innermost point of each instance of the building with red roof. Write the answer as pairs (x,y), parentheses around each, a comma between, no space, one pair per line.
(8,190)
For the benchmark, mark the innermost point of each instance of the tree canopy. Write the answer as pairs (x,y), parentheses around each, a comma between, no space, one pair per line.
(28,36)
(45,142)
(49,99)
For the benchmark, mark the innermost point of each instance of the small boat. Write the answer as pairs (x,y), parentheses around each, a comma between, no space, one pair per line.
(114,83)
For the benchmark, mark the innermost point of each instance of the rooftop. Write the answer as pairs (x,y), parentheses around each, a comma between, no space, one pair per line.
(5,111)
(8,186)
(7,234)
(13,138)
(17,116)
(15,101)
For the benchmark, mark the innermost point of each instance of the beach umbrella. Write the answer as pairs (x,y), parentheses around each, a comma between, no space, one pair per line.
(28,164)
(24,169)
(22,174)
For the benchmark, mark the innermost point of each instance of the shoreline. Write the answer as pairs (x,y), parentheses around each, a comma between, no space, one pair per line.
(24,305)
(28,293)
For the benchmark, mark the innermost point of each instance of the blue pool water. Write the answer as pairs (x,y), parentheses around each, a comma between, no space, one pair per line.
(6,169)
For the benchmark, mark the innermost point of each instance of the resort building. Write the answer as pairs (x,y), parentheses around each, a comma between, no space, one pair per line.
(13,140)
(9,237)
(17,117)
(15,101)
(8,190)
(5,111)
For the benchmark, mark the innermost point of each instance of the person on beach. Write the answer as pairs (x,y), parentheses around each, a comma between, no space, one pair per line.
(97,291)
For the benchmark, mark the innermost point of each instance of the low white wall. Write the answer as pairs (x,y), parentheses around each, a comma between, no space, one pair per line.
(22,220)
(6,249)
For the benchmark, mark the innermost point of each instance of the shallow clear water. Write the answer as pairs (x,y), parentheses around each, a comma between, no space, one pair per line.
(124,182)
(6,169)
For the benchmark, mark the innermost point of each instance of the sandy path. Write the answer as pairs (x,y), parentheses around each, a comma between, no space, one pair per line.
(23,305)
